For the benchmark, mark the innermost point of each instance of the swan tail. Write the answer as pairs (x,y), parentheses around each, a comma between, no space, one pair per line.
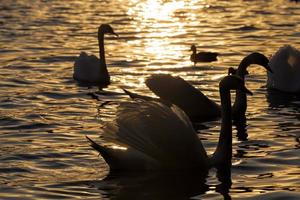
(118,159)
(130,94)
(122,158)
(102,150)
(137,96)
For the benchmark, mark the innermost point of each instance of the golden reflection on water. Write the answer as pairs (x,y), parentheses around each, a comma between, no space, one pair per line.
(155,9)
(45,114)
(156,15)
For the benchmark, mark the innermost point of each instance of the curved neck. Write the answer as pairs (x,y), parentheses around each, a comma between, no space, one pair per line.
(240,103)
(241,70)
(223,152)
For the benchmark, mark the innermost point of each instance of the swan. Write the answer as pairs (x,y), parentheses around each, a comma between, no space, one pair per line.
(202,56)
(153,136)
(196,105)
(88,68)
(286,66)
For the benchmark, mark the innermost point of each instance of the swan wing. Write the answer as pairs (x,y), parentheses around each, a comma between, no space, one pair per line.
(179,92)
(164,134)
(86,68)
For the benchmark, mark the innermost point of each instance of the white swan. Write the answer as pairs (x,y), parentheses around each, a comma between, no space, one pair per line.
(285,64)
(157,137)
(89,69)
(196,105)
(202,56)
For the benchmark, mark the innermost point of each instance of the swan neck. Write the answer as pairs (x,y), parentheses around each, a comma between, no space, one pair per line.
(101,48)
(240,105)
(241,71)
(223,152)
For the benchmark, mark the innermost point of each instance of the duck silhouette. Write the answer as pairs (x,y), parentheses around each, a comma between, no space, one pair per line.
(202,56)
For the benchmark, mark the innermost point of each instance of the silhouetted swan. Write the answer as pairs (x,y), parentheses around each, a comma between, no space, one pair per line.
(196,105)
(286,66)
(89,69)
(202,56)
(157,137)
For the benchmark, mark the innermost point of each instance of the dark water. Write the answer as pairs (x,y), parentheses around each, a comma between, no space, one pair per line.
(45,115)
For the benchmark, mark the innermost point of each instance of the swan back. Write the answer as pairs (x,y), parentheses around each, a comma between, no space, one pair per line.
(285,64)
(155,135)
(86,69)
(179,92)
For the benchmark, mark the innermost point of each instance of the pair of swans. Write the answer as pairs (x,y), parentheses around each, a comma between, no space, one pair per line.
(91,70)
(153,136)
(193,102)
(286,66)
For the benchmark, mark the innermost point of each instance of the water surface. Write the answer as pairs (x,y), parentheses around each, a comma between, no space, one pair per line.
(45,115)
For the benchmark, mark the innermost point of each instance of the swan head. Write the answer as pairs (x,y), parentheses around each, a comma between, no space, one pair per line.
(260,59)
(106,29)
(254,58)
(233,82)
(193,48)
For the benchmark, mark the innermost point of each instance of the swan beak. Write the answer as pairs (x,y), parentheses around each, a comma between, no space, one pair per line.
(247,91)
(115,34)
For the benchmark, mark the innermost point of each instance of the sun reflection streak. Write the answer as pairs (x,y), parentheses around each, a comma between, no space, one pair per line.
(160,18)
(157,9)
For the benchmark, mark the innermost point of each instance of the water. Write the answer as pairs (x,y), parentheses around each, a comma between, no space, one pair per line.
(45,115)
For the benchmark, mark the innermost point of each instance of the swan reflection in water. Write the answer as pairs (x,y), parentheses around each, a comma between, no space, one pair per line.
(287,106)
(161,185)
(277,99)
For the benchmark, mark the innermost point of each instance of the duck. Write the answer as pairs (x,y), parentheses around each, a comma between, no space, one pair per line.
(148,135)
(192,101)
(202,56)
(285,64)
(88,69)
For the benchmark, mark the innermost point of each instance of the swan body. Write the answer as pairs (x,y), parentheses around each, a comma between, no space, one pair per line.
(192,101)
(92,70)
(202,56)
(286,66)
(157,137)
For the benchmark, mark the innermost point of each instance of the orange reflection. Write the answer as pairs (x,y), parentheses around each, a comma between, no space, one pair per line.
(157,17)
(156,9)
